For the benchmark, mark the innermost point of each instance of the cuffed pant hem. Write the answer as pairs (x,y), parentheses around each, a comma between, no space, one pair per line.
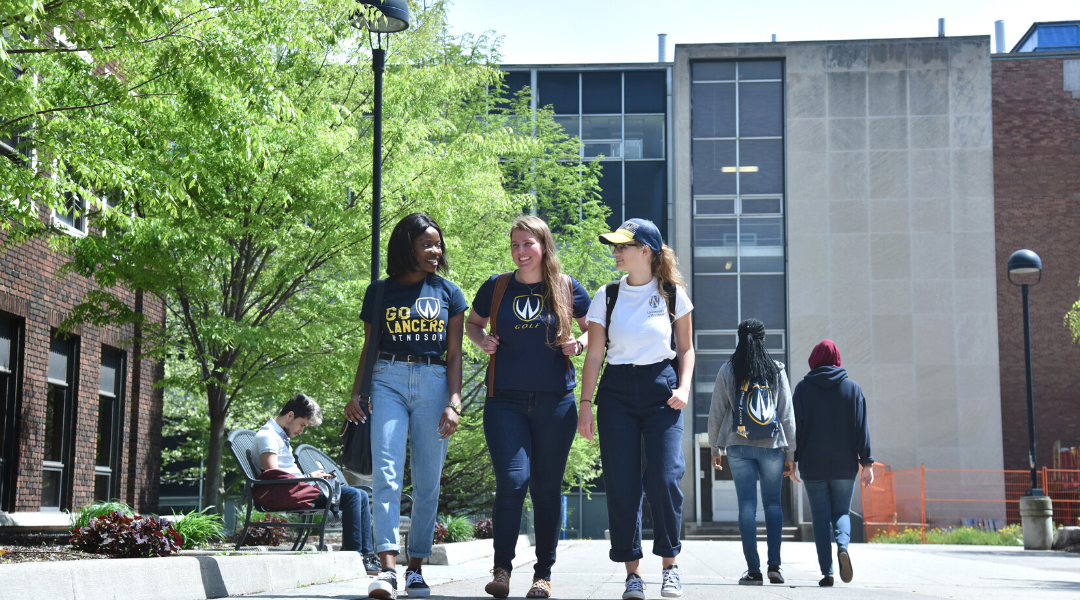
(625,555)
(667,552)
(388,548)
(413,554)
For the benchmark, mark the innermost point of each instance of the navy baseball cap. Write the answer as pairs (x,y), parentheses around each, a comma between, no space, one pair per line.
(635,230)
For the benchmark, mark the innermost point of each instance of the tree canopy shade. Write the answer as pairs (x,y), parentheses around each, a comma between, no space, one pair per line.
(239,178)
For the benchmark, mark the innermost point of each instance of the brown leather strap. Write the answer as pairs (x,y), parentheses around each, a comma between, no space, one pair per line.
(570,288)
(500,288)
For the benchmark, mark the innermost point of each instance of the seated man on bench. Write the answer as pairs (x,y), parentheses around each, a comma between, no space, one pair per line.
(274,451)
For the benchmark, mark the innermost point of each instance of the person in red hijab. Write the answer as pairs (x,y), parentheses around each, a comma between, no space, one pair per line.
(832,440)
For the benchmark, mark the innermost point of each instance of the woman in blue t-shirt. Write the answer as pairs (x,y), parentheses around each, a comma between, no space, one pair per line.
(529,415)
(415,391)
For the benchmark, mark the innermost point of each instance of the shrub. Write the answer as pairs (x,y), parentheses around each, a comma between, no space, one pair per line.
(1011,535)
(440,533)
(82,516)
(483,529)
(126,536)
(266,536)
(458,529)
(198,528)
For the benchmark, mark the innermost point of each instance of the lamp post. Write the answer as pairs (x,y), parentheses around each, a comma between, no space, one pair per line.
(1036,508)
(379,17)
(1026,262)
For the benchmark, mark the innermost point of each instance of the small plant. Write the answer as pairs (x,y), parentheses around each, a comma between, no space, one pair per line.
(1011,535)
(266,536)
(440,533)
(483,529)
(82,516)
(458,529)
(198,528)
(127,536)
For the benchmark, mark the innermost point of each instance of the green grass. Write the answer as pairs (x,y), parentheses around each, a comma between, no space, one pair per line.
(81,517)
(198,528)
(965,536)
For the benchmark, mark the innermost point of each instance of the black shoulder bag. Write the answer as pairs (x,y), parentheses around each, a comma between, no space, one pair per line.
(356,437)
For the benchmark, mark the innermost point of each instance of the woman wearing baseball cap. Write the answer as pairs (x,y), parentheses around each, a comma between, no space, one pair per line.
(645,318)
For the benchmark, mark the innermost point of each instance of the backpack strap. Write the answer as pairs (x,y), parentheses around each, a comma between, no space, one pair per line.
(669,292)
(500,288)
(570,298)
(611,295)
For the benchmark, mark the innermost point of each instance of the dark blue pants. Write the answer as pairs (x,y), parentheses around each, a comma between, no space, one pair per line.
(529,436)
(632,414)
(830,503)
(749,464)
(355,521)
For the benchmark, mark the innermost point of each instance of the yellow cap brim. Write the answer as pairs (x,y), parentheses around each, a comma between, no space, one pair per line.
(616,237)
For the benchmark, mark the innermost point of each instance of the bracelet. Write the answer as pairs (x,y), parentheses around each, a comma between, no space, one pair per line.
(589,400)
(580,348)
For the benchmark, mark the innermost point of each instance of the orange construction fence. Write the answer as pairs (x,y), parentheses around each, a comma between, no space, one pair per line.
(919,498)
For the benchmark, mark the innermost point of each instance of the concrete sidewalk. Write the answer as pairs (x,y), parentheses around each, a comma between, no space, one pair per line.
(712,570)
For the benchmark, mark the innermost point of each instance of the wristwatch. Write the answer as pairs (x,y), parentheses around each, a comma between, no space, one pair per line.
(455,406)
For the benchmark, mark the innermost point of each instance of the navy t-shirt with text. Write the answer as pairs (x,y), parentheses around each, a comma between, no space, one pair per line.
(415,316)
(524,360)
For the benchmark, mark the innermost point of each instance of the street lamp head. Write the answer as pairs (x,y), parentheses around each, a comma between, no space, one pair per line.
(381,16)
(1024,262)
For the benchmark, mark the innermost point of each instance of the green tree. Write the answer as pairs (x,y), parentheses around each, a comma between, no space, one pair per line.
(1072,321)
(243,194)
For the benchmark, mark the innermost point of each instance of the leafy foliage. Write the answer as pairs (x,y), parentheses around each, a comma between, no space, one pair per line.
(1072,321)
(82,516)
(1011,535)
(125,536)
(264,536)
(458,529)
(483,529)
(198,528)
(440,533)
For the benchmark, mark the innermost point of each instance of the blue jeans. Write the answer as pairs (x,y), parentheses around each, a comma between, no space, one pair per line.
(749,464)
(830,503)
(632,414)
(407,402)
(355,520)
(529,436)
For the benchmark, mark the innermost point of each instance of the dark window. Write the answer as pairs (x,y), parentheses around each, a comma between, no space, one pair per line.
(601,92)
(644,136)
(74,206)
(761,164)
(59,425)
(646,191)
(560,90)
(760,69)
(515,82)
(611,192)
(713,114)
(713,71)
(10,355)
(763,298)
(110,396)
(645,91)
(760,111)
(717,306)
(714,167)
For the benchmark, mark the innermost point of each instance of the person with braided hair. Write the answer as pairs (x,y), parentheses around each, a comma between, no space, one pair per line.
(752,422)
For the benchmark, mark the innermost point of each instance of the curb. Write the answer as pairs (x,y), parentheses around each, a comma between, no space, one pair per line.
(463,552)
(175,577)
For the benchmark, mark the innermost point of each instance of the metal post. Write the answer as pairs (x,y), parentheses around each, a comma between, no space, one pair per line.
(378,62)
(922,500)
(1030,396)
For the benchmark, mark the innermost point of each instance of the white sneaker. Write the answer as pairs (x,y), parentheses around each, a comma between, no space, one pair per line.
(672,587)
(384,587)
(635,588)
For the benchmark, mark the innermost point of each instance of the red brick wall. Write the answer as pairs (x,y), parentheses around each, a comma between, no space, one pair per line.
(31,289)
(1037,206)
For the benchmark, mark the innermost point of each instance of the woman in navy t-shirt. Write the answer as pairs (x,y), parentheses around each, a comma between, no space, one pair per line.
(530,415)
(415,391)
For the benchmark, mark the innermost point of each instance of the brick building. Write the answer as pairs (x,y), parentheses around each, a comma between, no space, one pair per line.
(1036,133)
(81,419)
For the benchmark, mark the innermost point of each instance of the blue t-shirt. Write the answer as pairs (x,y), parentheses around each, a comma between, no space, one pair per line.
(416,315)
(524,361)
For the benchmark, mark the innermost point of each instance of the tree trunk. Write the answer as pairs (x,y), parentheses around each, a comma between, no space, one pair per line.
(212,479)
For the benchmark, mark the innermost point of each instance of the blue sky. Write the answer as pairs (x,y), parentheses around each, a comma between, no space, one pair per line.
(563,31)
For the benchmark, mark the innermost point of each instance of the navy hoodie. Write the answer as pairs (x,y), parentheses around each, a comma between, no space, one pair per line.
(831,435)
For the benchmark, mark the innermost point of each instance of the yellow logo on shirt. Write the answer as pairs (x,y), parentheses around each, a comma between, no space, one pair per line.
(528,309)
(402,327)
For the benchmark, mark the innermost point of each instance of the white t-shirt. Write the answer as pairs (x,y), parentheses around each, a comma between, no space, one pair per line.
(271,438)
(640,330)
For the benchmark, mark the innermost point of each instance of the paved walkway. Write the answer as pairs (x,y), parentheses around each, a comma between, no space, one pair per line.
(712,569)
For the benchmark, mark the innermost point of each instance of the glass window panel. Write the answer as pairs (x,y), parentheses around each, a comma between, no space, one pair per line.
(760,206)
(713,71)
(605,149)
(601,92)
(763,299)
(105,432)
(55,403)
(611,192)
(762,232)
(515,82)
(101,487)
(646,91)
(714,246)
(601,128)
(7,334)
(713,112)
(571,125)
(760,109)
(701,424)
(58,360)
(708,161)
(644,137)
(646,191)
(774,341)
(560,90)
(715,302)
(711,206)
(766,158)
(706,366)
(762,261)
(50,489)
(716,341)
(760,69)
